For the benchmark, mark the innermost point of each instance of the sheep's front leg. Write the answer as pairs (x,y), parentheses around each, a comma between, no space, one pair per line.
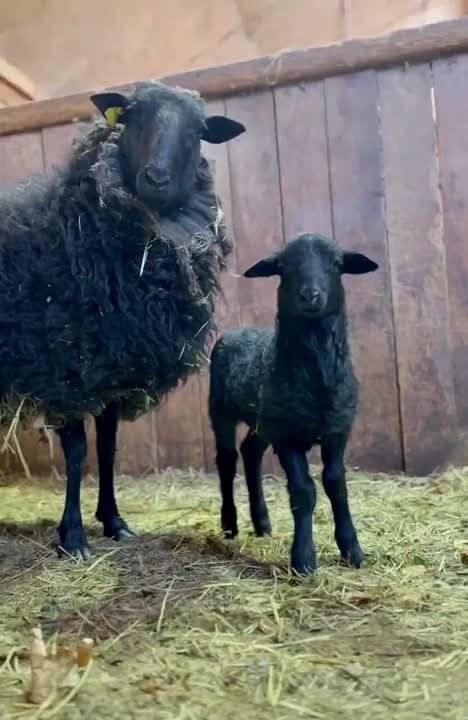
(302,498)
(71,531)
(107,511)
(334,482)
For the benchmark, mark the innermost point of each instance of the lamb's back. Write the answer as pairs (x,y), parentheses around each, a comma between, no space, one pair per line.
(238,363)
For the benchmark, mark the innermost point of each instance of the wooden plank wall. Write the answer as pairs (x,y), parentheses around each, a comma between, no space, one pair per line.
(379,159)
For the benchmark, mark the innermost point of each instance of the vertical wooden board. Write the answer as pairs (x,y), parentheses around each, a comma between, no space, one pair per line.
(227,310)
(256,206)
(417,260)
(227,307)
(180,440)
(359,223)
(137,447)
(302,144)
(256,201)
(58,142)
(20,157)
(451,93)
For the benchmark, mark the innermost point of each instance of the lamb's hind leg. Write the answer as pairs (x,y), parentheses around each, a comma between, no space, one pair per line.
(252,449)
(71,531)
(226,461)
(334,482)
(107,511)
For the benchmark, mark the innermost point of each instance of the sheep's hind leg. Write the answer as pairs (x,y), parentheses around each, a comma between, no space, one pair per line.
(226,461)
(252,449)
(334,482)
(71,531)
(107,511)
(302,499)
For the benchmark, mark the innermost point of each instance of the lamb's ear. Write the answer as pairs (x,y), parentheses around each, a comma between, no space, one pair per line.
(112,105)
(357,264)
(264,268)
(219,129)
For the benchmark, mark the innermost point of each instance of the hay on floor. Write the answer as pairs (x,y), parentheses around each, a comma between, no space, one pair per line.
(190,627)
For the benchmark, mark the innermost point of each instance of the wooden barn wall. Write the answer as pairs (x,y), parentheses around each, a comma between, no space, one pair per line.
(379,159)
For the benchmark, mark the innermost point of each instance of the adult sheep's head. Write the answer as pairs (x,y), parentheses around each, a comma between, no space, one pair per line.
(310,268)
(162,129)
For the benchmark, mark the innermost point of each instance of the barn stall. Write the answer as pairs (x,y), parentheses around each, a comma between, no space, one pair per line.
(366,141)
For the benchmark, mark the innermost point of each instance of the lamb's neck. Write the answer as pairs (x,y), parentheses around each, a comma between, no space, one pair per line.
(318,348)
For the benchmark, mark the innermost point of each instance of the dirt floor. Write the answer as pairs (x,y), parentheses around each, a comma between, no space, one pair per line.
(190,627)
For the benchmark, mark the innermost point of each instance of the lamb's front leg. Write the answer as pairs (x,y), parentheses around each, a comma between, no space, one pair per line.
(302,498)
(334,482)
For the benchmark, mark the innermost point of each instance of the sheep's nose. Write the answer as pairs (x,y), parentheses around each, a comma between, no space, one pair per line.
(310,296)
(159,181)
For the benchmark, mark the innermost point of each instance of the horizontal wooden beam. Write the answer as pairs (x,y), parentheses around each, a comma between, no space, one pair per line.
(414,45)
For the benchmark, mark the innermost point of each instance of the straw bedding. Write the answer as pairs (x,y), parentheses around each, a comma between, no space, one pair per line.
(188,626)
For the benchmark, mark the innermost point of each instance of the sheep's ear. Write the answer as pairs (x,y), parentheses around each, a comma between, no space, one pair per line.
(111,105)
(357,264)
(219,129)
(264,268)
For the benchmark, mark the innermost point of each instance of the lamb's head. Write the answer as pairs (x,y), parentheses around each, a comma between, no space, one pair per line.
(310,268)
(160,141)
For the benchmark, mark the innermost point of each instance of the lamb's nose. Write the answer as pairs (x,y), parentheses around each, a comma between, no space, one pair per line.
(310,296)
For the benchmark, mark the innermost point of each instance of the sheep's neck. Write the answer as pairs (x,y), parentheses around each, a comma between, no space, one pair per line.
(314,348)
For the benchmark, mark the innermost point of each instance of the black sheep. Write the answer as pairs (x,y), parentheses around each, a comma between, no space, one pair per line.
(108,276)
(294,387)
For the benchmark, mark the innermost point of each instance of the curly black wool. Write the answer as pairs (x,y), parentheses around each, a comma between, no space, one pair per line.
(100,297)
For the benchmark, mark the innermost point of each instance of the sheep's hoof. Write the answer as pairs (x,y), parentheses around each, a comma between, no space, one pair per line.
(117,529)
(73,544)
(354,556)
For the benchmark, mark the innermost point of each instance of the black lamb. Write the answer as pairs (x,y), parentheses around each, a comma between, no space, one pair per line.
(108,276)
(294,387)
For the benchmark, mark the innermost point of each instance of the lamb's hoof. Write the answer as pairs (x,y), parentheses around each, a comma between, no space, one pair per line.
(304,563)
(354,556)
(117,529)
(73,544)
(230,533)
(263,528)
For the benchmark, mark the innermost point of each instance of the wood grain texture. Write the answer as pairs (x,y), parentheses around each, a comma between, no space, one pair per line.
(20,157)
(179,428)
(302,143)
(359,224)
(451,93)
(256,207)
(256,202)
(417,259)
(227,308)
(57,142)
(284,68)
